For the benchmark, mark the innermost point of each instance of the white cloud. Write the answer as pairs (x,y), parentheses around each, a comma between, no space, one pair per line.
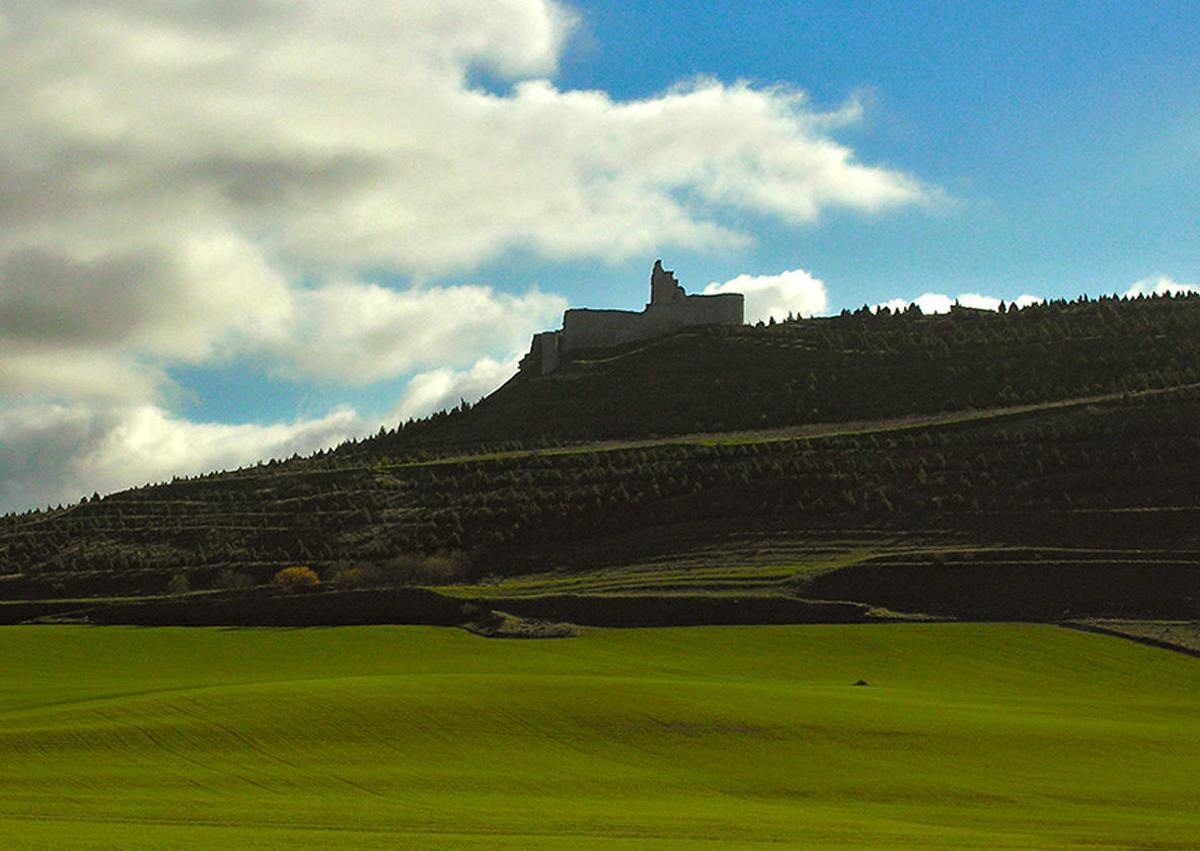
(941,303)
(51,453)
(363,332)
(56,453)
(45,373)
(348,134)
(182,183)
(102,324)
(164,445)
(1159,286)
(795,291)
(198,176)
(444,388)
(175,301)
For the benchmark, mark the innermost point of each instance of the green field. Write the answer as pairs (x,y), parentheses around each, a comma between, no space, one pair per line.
(966,736)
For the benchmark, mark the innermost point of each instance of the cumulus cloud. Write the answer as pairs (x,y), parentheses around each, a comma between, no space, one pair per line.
(775,296)
(941,303)
(51,453)
(166,192)
(440,389)
(104,324)
(359,332)
(1159,286)
(182,183)
(176,302)
(351,134)
(45,373)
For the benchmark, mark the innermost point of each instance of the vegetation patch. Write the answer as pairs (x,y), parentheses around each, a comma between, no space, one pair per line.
(1183,636)
(967,736)
(493,624)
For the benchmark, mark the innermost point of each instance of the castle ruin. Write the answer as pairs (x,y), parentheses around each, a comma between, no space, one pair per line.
(669,310)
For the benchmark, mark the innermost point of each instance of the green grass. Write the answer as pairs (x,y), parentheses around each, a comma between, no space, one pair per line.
(737,573)
(968,736)
(654,578)
(1184,635)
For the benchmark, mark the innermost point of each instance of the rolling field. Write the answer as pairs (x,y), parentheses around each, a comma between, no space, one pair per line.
(966,736)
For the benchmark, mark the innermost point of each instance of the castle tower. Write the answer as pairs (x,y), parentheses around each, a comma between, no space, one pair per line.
(664,289)
(669,310)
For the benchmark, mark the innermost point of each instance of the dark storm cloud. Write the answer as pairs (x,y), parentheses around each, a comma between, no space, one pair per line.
(47,297)
(264,182)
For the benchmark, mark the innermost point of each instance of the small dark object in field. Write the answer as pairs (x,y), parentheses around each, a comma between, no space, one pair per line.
(862,683)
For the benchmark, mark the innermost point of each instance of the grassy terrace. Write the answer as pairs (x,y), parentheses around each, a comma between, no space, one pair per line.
(967,736)
(691,578)
(788,569)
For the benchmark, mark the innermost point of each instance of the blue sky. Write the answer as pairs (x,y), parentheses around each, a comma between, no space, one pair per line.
(1066,135)
(230,231)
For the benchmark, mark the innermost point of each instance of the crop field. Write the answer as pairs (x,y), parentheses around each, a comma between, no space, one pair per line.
(965,736)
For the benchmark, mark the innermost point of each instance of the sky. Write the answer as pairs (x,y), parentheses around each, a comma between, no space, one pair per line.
(240,229)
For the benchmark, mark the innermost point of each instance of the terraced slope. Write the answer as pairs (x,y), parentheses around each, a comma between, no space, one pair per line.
(1087,509)
(967,736)
(1064,437)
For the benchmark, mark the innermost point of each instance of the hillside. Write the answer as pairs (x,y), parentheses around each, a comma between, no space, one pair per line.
(1024,464)
(848,367)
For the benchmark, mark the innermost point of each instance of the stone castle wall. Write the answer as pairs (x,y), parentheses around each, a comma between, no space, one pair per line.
(603,329)
(544,353)
(669,310)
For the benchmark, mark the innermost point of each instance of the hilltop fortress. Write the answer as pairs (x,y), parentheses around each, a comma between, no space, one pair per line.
(670,309)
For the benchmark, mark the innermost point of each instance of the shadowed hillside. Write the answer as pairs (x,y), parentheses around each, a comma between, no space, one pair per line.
(1025,464)
(853,366)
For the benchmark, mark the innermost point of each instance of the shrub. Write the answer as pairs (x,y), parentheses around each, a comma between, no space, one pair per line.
(233,580)
(298,578)
(347,578)
(439,568)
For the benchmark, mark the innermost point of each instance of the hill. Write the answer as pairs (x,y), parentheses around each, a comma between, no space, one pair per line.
(849,367)
(1023,464)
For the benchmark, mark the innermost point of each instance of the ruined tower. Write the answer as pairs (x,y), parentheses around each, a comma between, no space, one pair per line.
(669,309)
(664,289)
